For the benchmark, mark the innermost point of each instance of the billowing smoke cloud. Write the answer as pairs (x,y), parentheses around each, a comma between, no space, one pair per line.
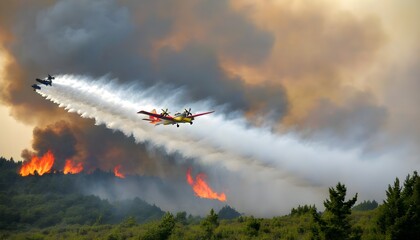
(101,32)
(318,74)
(57,138)
(217,140)
(357,121)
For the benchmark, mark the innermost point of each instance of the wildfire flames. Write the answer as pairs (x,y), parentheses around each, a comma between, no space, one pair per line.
(118,172)
(72,167)
(40,165)
(202,189)
(45,163)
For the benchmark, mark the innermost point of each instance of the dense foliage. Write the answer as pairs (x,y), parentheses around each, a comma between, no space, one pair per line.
(400,214)
(300,210)
(365,206)
(55,199)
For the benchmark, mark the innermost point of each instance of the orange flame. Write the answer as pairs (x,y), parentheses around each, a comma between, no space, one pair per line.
(40,165)
(202,189)
(72,167)
(117,172)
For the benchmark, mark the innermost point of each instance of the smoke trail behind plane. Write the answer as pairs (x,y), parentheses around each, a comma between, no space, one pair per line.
(255,154)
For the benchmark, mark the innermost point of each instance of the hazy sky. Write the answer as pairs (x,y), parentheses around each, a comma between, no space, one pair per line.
(329,88)
(15,135)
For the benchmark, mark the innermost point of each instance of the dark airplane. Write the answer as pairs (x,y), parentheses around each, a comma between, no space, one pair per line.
(36,87)
(46,82)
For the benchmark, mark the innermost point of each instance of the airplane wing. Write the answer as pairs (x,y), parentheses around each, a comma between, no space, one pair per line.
(200,114)
(156,115)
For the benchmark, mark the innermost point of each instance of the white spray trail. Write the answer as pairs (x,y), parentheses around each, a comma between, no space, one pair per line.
(212,139)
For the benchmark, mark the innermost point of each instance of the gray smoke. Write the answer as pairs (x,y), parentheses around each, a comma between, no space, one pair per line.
(282,163)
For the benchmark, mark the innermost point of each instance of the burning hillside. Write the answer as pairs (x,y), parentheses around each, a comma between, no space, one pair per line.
(92,179)
(202,189)
(117,172)
(72,168)
(45,164)
(40,165)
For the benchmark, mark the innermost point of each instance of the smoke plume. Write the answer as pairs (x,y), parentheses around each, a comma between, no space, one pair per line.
(215,140)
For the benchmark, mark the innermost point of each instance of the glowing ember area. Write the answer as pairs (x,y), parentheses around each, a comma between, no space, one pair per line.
(117,172)
(202,189)
(40,165)
(72,167)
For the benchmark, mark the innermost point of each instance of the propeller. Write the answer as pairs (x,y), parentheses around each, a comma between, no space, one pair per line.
(164,112)
(187,112)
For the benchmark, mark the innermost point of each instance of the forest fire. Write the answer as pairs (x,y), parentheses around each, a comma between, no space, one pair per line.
(40,165)
(117,172)
(202,189)
(45,164)
(72,168)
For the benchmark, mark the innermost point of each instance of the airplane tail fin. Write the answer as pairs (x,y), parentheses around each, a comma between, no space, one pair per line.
(151,119)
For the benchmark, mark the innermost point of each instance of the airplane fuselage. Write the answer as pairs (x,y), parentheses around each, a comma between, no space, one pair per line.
(178,118)
(45,82)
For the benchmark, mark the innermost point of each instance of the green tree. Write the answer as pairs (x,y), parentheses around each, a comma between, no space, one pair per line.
(228,212)
(163,230)
(335,222)
(252,226)
(365,206)
(166,225)
(399,216)
(301,210)
(209,224)
(181,217)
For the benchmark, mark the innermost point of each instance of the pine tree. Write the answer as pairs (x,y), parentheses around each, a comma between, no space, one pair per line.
(399,216)
(163,230)
(335,222)
(366,206)
(210,223)
(301,210)
(228,212)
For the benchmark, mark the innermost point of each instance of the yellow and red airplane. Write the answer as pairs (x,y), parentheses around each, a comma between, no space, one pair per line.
(166,119)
